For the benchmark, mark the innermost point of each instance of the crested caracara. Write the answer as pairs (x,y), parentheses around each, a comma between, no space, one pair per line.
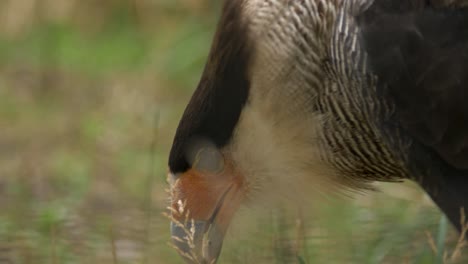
(303,94)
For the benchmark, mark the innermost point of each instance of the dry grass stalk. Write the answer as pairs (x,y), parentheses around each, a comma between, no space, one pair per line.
(431,242)
(113,247)
(461,242)
(189,237)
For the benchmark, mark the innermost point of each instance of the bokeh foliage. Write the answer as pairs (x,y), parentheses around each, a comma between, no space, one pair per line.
(90,96)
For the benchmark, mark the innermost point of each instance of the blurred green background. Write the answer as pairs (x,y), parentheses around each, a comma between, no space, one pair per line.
(90,96)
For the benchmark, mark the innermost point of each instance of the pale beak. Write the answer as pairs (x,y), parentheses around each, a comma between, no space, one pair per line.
(202,209)
(203,245)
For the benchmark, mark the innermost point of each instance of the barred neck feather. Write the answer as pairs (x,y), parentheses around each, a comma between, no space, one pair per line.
(304,125)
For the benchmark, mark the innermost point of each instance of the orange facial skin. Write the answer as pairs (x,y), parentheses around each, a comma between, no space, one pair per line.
(205,196)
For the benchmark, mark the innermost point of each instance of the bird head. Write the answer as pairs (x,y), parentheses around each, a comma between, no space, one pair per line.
(206,186)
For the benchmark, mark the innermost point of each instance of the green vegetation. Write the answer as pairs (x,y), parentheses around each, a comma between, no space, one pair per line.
(90,96)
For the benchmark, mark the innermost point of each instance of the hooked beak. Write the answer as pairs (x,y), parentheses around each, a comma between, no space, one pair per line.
(197,241)
(202,208)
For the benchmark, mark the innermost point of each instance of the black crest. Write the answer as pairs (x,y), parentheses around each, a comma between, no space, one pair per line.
(215,107)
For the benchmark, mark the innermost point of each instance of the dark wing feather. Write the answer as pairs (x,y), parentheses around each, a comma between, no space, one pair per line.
(420,56)
(422,59)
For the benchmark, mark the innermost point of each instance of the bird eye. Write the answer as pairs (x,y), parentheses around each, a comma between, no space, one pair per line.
(208,160)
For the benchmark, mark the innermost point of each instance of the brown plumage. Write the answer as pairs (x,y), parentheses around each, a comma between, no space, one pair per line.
(321,95)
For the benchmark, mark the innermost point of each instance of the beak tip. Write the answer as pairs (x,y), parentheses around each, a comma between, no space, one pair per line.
(199,244)
(179,238)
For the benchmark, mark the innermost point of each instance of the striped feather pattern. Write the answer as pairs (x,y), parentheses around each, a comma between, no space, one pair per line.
(319,41)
